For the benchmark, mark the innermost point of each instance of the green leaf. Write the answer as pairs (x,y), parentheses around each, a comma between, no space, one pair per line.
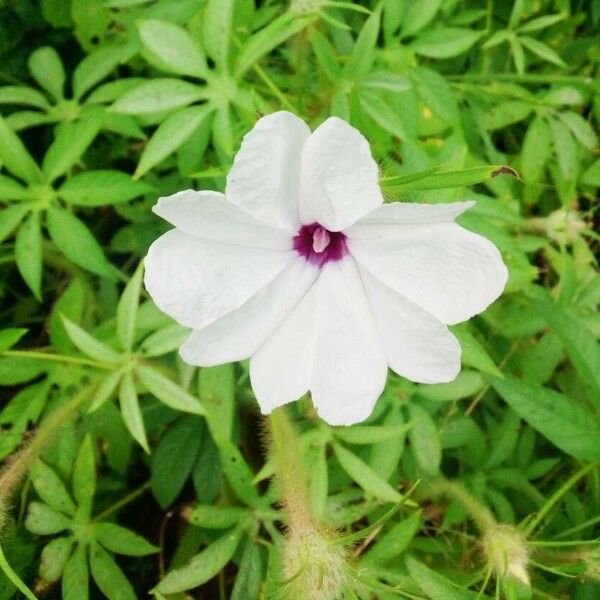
(75,581)
(370,434)
(506,113)
(170,135)
(84,476)
(592,175)
(466,384)
(425,440)
(394,542)
(565,149)
(130,410)
(168,392)
(171,48)
(445,42)
(581,345)
(217,30)
(12,190)
(238,473)
(250,576)
(164,340)
(325,55)
(433,584)
(106,388)
(542,50)
(71,141)
(216,388)
(122,541)
(50,488)
(174,459)
(216,517)
(54,557)
(274,34)
(383,114)
(433,179)
(127,309)
(418,14)
(28,253)
(88,344)
(202,567)
(77,242)
(542,22)
(20,94)
(473,352)
(15,156)
(96,66)
(363,53)
(158,95)
(517,53)
(43,520)
(47,69)
(368,479)
(108,576)
(580,128)
(10,218)
(10,336)
(535,154)
(436,92)
(102,187)
(564,422)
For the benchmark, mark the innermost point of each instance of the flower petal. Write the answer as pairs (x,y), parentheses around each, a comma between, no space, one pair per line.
(196,281)
(208,215)
(417,345)
(340,179)
(350,368)
(390,215)
(240,333)
(264,179)
(281,369)
(450,272)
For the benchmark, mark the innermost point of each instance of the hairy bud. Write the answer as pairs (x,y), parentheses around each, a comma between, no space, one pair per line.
(505,549)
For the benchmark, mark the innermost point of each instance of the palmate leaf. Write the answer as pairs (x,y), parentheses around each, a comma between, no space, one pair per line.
(131,411)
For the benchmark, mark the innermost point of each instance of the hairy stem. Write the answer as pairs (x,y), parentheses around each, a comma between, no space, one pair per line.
(16,469)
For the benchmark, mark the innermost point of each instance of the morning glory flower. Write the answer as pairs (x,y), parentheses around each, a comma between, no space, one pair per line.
(302,268)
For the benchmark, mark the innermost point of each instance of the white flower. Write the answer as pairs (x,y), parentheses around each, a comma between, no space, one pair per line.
(301,267)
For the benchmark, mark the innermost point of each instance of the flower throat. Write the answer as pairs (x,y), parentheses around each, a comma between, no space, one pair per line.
(319,245)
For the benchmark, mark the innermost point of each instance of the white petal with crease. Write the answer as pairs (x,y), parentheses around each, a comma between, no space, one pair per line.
(417,345)
(264,178)
(240,333)
(210,216)
(450,272)
(340,179)
(196,281)
(280,371)
(350,368)
(382,220)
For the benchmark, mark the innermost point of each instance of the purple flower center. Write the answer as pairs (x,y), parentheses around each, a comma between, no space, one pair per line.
(319,245)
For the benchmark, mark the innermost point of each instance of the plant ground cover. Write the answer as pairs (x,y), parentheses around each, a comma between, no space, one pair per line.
(127,471)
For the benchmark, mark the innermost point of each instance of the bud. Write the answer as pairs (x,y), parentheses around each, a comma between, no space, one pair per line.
(505,549)
(563,225)
(313,565)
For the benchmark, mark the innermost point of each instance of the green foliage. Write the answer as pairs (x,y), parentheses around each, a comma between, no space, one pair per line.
(156,480)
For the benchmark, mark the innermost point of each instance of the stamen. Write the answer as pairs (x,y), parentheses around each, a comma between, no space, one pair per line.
(321,239)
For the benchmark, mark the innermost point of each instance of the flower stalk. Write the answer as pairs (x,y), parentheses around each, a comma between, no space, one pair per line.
(16,469)
(504,546)
(314,566)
